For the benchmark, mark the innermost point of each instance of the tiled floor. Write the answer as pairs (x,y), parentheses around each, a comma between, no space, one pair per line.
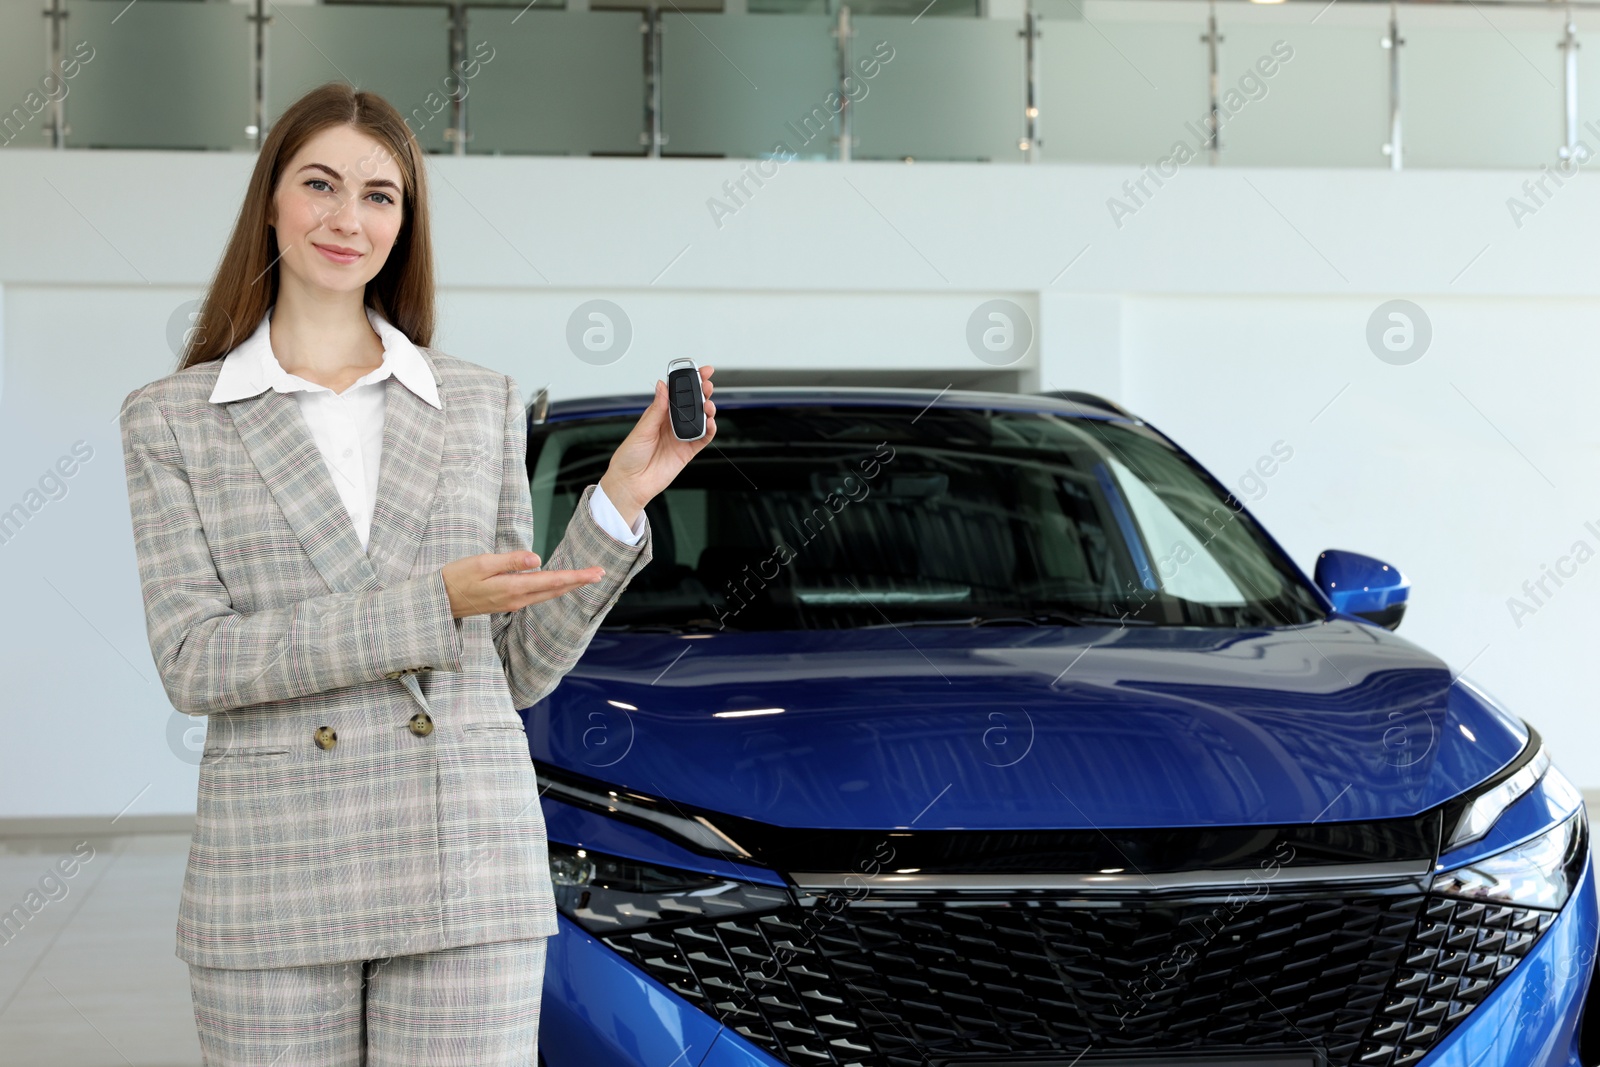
(90,979)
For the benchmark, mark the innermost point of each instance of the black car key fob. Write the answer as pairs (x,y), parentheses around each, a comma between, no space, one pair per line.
(686,404)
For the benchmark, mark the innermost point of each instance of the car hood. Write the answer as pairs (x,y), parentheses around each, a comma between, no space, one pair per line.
(1024,727)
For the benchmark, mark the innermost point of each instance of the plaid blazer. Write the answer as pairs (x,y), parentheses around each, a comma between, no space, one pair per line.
(365,787)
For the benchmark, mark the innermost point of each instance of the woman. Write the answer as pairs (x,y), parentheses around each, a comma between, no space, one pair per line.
(332,525)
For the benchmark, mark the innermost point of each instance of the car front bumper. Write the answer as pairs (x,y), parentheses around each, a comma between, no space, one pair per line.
(602,1011)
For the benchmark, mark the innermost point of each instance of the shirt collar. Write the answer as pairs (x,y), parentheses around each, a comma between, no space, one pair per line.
(252,368)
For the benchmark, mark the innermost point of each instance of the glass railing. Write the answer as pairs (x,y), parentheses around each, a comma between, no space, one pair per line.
(1153,82)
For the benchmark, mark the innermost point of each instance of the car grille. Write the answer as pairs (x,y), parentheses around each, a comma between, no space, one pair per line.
(1371,977)
(1454,958)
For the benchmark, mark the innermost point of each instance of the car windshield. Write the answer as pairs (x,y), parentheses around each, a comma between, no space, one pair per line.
(804,517)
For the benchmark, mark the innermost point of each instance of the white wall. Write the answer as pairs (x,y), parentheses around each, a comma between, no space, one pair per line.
(1231,310)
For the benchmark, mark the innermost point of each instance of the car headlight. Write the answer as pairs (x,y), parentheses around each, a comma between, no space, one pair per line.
(1539,873)
(1488,806)
(603,893)
(697,833)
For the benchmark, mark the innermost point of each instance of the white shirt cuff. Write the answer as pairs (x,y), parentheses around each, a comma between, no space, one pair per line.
(610,519)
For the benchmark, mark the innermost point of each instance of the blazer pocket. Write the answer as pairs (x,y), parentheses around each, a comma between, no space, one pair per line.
(476,727)
(256,753)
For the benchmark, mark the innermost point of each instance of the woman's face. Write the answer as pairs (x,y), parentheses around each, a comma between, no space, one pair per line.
(340,193)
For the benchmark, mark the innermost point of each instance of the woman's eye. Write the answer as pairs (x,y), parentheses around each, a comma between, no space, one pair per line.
(387,199)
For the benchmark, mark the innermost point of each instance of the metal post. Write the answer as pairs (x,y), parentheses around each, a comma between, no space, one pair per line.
(652,137)
(56,44)
(1393,42)
(259,20)
(456,132)
(843,33)
(1030,115)
(1211,39)
(1569,49)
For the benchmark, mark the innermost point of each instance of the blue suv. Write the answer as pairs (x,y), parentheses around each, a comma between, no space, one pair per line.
(960,728)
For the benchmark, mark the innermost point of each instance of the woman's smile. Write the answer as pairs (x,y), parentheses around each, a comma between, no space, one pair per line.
(338,253)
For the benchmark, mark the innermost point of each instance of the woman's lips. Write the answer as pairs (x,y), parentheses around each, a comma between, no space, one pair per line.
(338,257)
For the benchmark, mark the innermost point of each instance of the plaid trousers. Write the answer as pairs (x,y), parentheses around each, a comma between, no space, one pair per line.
(470,1006)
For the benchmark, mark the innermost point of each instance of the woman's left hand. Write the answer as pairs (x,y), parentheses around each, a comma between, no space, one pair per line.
(651,456)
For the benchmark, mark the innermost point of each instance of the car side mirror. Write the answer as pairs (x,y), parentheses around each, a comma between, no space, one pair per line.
(1362,586)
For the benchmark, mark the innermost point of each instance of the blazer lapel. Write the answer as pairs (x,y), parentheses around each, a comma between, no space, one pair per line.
(280,444)
(408,477)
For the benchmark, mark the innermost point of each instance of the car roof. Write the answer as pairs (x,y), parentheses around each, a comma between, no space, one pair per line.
(1063,402)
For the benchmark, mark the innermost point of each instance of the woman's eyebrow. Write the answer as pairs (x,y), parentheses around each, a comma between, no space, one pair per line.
(382,182)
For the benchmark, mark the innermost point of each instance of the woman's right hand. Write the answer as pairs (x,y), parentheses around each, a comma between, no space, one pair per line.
(504,581)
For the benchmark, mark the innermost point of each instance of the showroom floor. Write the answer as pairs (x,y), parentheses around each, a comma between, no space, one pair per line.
(91,980)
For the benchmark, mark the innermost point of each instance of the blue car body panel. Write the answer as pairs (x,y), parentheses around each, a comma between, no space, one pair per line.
(1022,727)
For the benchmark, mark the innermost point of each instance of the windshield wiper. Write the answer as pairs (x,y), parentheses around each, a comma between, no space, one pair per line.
(1051,617)
(1058,617)
(969,620)
(695,626)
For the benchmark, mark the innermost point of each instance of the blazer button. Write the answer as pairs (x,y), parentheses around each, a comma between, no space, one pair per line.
(326,737)
(421,725)
(406,671)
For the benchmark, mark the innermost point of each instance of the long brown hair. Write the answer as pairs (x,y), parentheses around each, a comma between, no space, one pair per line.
(246,281)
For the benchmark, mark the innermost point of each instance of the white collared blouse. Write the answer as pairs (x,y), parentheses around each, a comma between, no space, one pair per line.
(348,427)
